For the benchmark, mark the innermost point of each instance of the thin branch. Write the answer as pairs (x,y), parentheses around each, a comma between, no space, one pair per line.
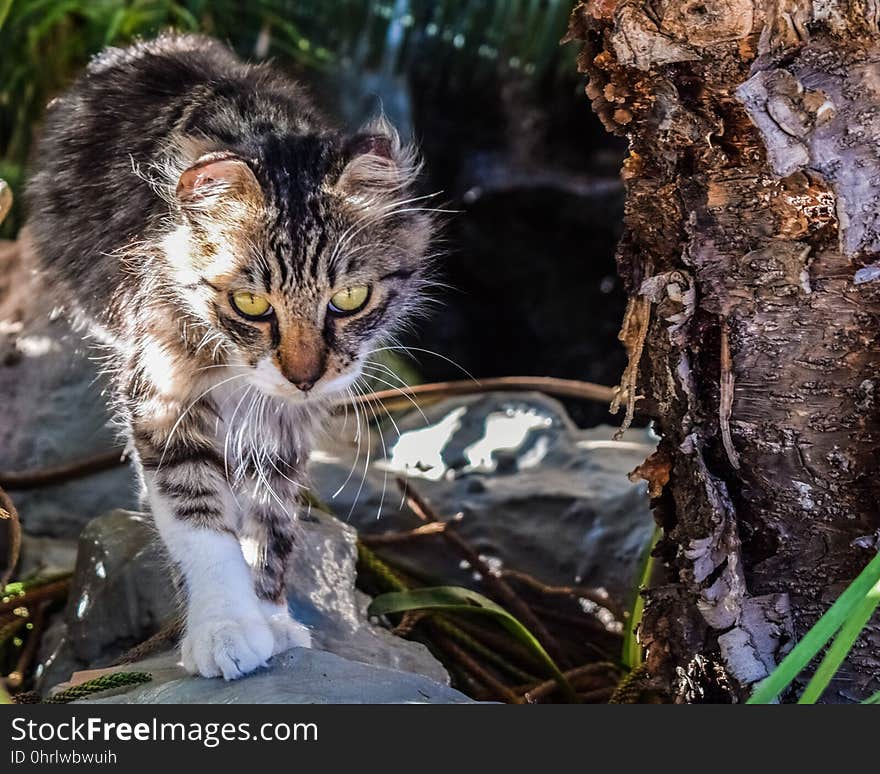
(87,466)
(386,538)
(51,590)
(594,595)
(573,676)
(168,633)
(564,388)
(456,632)
(465,660)
(16,678)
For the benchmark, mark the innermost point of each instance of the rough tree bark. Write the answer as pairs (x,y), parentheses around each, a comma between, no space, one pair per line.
(752,228)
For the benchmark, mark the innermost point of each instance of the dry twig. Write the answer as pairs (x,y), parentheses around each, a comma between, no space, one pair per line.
(15,679)
(574,676)
(385,538)
(478,670)
(51,590)
(58,474)
(594,595)
(563,388)
(170,632)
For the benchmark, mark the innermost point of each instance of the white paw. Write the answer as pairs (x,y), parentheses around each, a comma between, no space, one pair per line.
(286,632)
(228,647)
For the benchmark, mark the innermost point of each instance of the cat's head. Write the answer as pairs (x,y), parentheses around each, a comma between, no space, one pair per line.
(300,255)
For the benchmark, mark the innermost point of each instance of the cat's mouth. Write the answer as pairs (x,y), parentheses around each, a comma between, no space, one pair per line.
(268,379)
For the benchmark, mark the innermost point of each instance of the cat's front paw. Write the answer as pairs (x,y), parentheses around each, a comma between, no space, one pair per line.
(287,632)
(228,647)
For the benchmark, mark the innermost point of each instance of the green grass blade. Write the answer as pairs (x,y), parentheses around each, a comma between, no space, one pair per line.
(874,699)
(632,650)
(456,599)
(841,646)
(815,639)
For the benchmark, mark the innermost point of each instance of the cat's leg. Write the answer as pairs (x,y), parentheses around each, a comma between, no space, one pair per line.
(226,629)
(268,538)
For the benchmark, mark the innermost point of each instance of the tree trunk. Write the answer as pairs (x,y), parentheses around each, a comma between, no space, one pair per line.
(752,223)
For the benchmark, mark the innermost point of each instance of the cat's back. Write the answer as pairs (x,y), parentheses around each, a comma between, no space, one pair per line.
(90,193)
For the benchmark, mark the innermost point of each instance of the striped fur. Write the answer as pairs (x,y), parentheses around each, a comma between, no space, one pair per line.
(170,176)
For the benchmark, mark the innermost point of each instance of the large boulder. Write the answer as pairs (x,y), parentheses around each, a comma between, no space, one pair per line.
(537,493)
(122,593)
(300,676)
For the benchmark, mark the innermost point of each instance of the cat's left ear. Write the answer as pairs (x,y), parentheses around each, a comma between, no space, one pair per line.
(376,162)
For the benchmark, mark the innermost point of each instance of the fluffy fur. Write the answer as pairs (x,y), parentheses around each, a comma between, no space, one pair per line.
(168,178)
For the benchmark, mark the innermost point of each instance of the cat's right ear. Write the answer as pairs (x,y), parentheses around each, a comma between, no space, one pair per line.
(215,181)
(377,163)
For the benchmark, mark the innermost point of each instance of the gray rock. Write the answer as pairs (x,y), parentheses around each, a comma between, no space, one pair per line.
(53,410)
(300,676)
(46,556)
(123,593)
(536,493)
(122,588)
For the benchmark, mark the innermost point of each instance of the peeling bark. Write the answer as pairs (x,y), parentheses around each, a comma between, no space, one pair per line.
(752,233)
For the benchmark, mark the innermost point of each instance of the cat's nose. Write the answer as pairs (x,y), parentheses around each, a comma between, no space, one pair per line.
(307,385)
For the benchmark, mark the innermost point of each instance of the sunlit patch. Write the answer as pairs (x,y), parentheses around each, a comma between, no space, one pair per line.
(82,605)
(322,458)
(250,548)
(419,453)
(506,431)
(620,445)
(158,364)
(605,616)
(36,346)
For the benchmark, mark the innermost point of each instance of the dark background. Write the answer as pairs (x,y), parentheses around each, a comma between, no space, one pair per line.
(496,104)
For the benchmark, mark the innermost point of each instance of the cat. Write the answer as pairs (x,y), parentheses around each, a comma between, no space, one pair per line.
(237,260)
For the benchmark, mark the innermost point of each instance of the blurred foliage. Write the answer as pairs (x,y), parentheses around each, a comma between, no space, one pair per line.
(45,43)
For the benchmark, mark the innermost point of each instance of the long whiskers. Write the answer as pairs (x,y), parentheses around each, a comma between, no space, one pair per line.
(357,439)
(402,348)
(384,456)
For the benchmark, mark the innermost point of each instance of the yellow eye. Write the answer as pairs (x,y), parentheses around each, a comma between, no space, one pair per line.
(250,304)
(350,300)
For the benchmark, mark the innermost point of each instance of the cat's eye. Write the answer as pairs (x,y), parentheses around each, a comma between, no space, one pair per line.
(349,300)
(251,305)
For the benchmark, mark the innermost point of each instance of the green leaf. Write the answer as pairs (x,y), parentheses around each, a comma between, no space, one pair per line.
(815,639)
(875,699)
(5,5)
(841,646)
(456,599)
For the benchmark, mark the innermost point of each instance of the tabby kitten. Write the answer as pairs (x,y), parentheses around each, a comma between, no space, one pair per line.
(238,259)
